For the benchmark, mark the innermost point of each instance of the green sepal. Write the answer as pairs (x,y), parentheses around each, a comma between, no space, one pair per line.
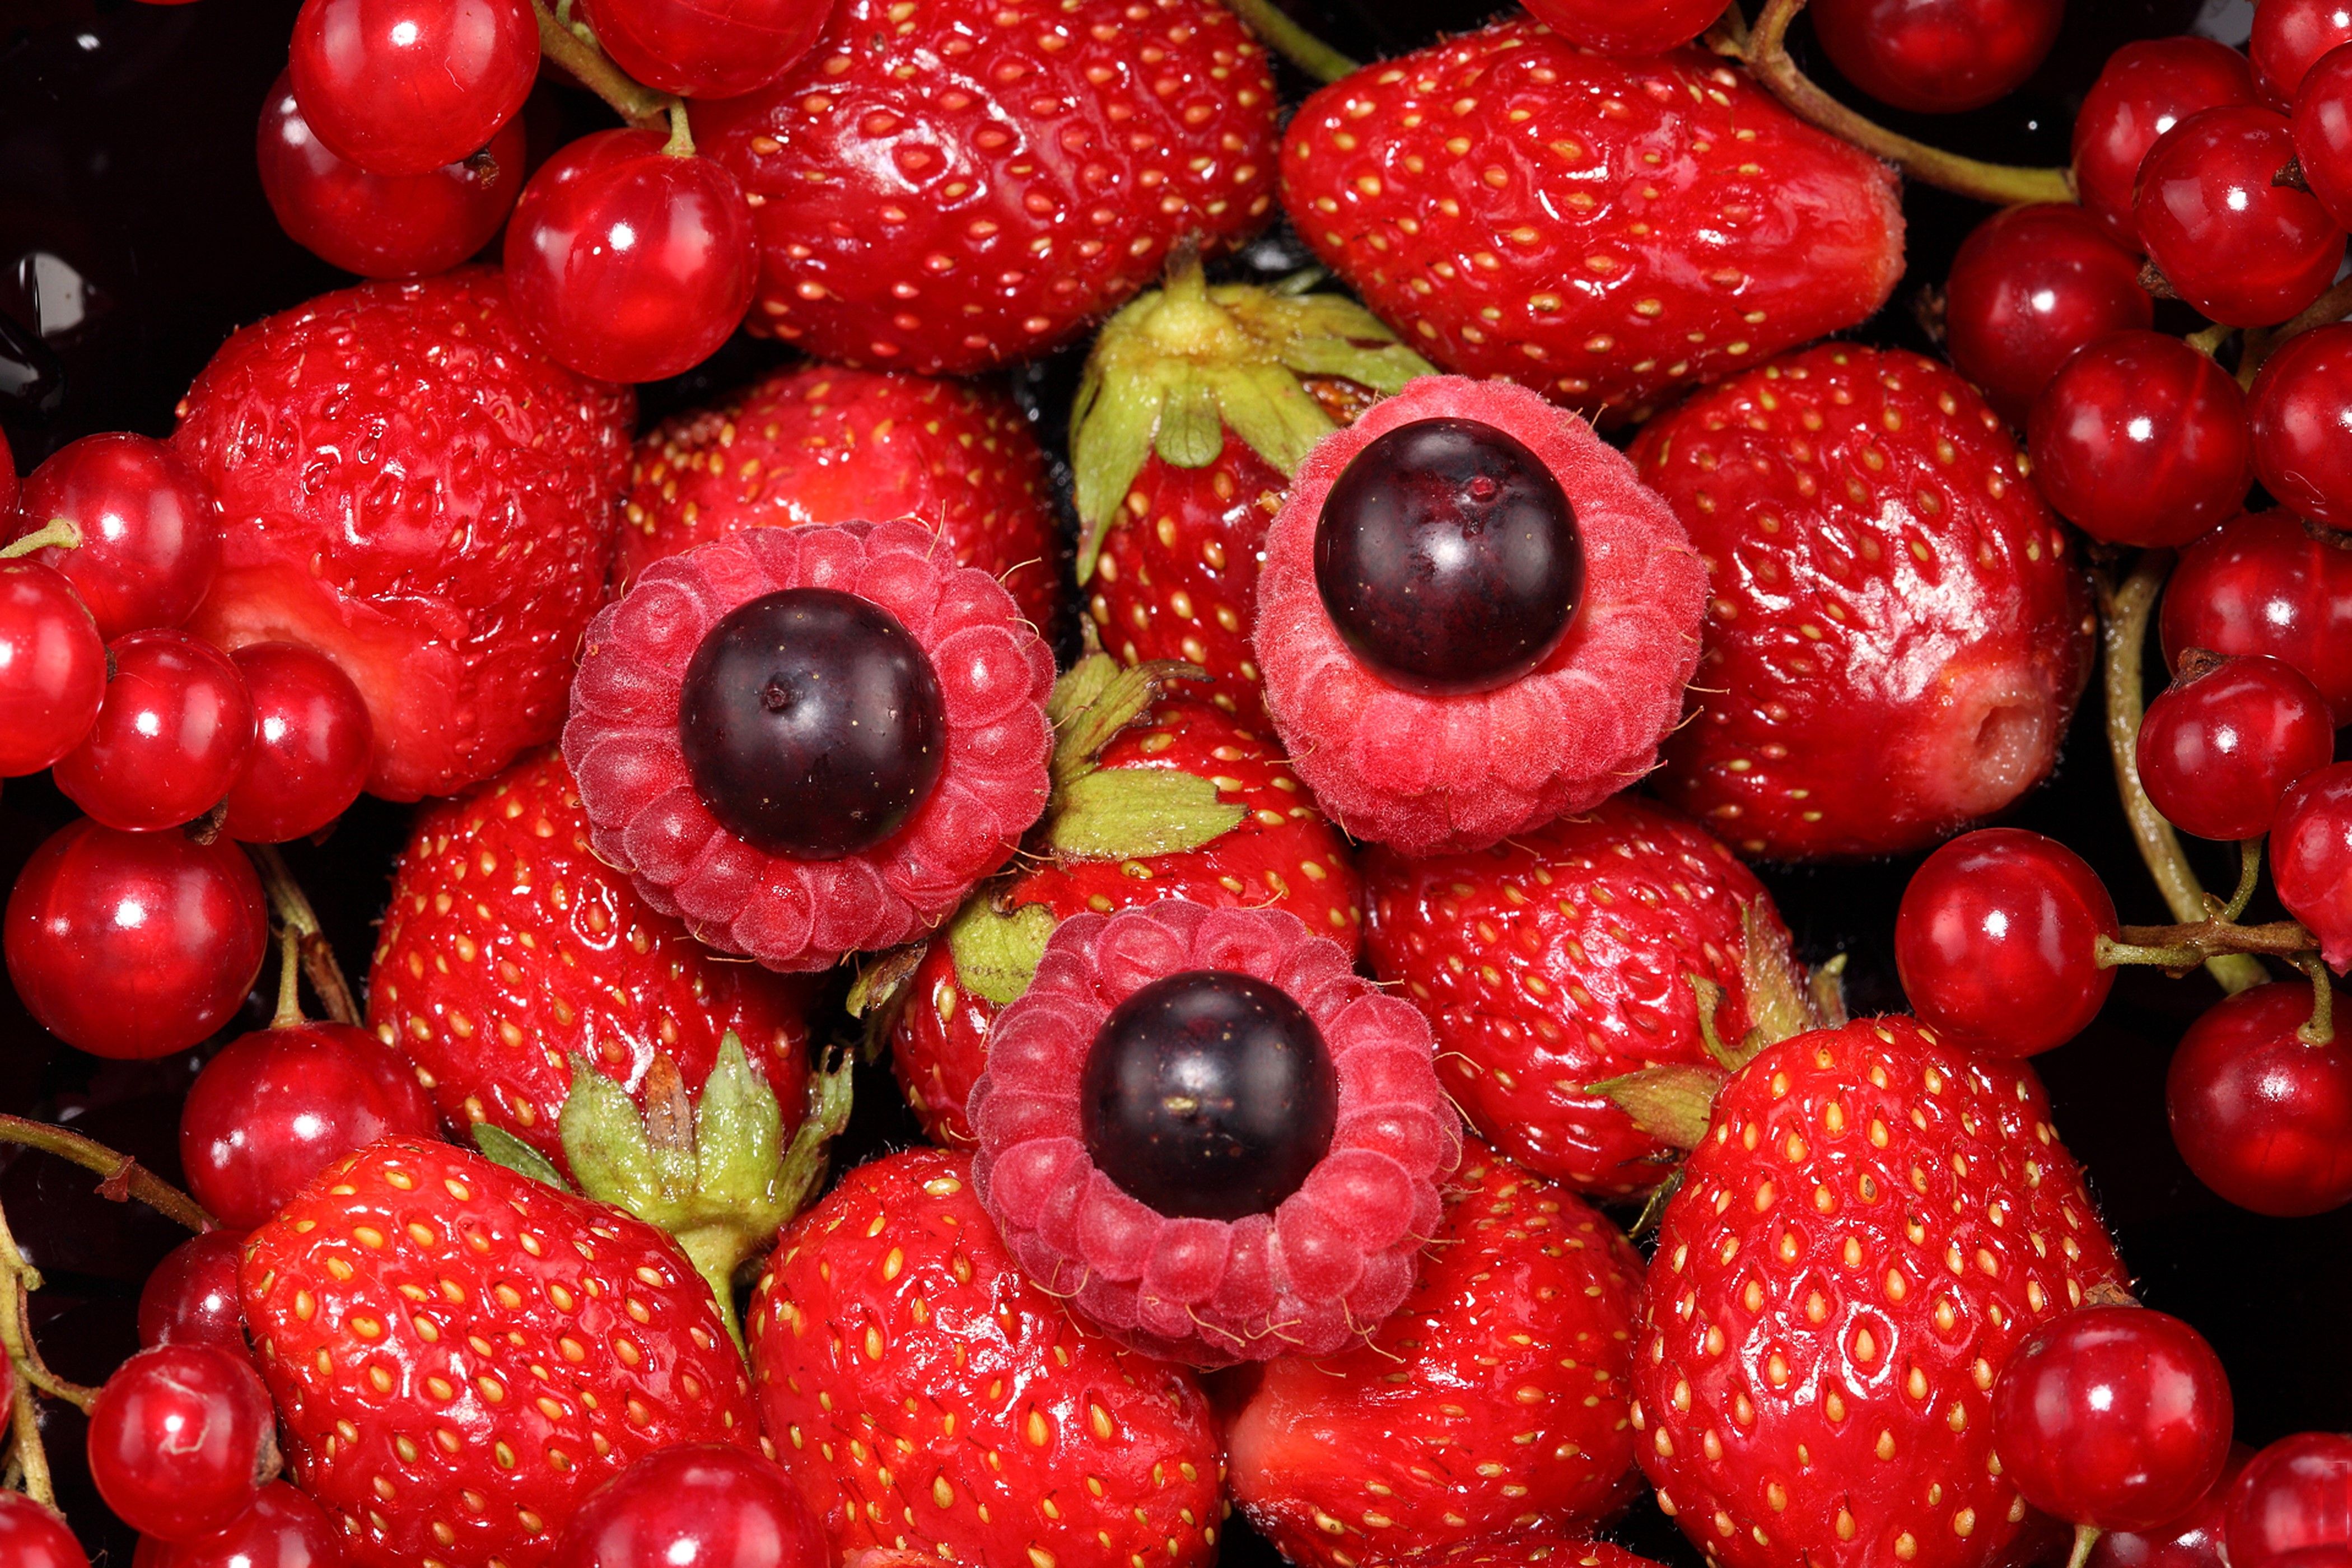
(500,1147)
(739,1133)
(1133,813)
(1671,1101)
(1104,697)
(996,954)
(607,1145)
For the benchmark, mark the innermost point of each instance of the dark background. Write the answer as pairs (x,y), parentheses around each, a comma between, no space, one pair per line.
(133,237)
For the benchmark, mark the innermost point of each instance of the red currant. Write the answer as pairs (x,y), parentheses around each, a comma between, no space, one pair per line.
(2293,1508)
(712,1506)
(283,1529)
(2242,250)
(382,225)
(403,87)
(2268,583)
(312,744)
(2031,286)
(1996,941)
(628,263)
(1936,57)
(32,1536)
(2289,37)
(2219,745)
(2300,409)
(700,49)
(191,1296)
(134,945)
(7,479)
(276,1106)
(2261,1118)
(151,532)
(2116,1418)
(170,737)
(2311,858)
(52,667)
(2191,1541)
(2322,123)
(1612,28)
(2140,439)
(181,1439)
(2145,89)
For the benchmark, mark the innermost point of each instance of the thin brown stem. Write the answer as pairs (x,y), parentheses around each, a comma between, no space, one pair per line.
(681,134)
(30,1455)
(58,533)
(124,1177)
(2124,617)
(318,956)
(2193,942)
(2250,876)
(2320,1027)
(2210,340)
(2262,342)
(1294,43)
(289,979)
(18,1280)
(577,51)
(2002,185)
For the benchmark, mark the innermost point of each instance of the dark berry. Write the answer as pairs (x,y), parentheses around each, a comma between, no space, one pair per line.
(812,723)
(1208,1095)
(1448,557)
(2222,745)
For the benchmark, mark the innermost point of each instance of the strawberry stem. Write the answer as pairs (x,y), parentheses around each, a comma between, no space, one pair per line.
(125,1177)
(59,532)
(2123,619)
(294,912)
(1294,43)
(2002,185)
(571,46)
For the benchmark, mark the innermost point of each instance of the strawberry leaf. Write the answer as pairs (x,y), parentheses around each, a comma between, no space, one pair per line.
(1131,814)
(995,954)
(500,1147)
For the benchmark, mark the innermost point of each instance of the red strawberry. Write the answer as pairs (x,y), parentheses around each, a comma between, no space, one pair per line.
(955,185)
(1897,627)
(460,1354)
(410,487)
(930,1399)
(1494,1401)
(1871,1224)
(1196,405)
(1547,1549)
(1241,834)
(1602,230)
(1564,957)
(821,444)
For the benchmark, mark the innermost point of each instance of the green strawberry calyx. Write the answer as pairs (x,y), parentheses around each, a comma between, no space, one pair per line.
(1182,367)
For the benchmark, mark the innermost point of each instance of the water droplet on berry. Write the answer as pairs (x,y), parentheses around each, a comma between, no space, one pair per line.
(1448,557)
(812,723)
(1208,1095)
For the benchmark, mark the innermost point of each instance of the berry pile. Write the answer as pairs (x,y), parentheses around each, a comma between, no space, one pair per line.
(1421,702)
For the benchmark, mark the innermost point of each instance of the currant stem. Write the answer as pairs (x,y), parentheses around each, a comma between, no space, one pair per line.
(59,532)
(594,69)
(2085,1537)
(294,911)
(2325,310)
(2199,941)
(29,1455)
(2001,185)
(2124,617)
(1294,43)
(2210,340)
(289,986)
(2320,1027)
(18,1280)
(2249,875)
(681,135)
(125,1177)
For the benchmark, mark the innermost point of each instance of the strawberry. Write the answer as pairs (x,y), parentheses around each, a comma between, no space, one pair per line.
(1898,625)
(1544,1550)
(1196,405)
(460,1354)
(1223,822)
(1572,954)
(930,1399)
(1603,230)
(1494,1400)
(1871,1222)
(955,185)
(409,485)
(821,444)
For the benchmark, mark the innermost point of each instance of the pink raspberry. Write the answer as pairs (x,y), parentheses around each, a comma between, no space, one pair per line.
(770,840)
(1476,690)
(1212,1136)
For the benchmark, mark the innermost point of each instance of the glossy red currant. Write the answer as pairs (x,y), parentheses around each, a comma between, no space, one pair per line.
(277,1105)
(2293,1506)
(382,225)
(2311,858)
(181,1439)
(2289,37)
(2220,746)
(191,1296)
(2144,90)
(2263,1117)
(172,735)
(150,530)
(2140,439)
(2268,583)
(1936,57)
(1996,941)
(312,744)
(283,1529)
(708,1505)
(134,945)
(2300,409)
(629,263)
(2116,1417)
(405,87)
(1618,29)
(2191,1541)
(52,667)
(712,48)
(32,1536)
(2239,247)
(2029,287)
(2322,123)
